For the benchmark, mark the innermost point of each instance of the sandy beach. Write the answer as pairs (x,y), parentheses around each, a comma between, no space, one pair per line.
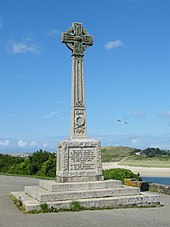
(143,171)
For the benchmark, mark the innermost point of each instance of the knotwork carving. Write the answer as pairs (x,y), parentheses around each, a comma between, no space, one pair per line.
(77,39)
(80,121)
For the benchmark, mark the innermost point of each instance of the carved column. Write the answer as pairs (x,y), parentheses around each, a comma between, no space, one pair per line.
(77,40)
(78,109)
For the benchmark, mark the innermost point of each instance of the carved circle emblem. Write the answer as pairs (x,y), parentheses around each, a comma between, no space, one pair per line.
(80,121)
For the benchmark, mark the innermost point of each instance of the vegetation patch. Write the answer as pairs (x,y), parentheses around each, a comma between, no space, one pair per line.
(75,206)
(115,153)
(120,174)
(143,161)
(54,210)
(40,163)
(44,207)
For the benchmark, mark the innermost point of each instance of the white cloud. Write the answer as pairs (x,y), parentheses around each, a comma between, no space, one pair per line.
(137,113)
(26,144)
(49,115)
(165,115)
(4,143)
(22,143)
(113,44)
(33,143)
(45,145)
(23,47)
(135,141)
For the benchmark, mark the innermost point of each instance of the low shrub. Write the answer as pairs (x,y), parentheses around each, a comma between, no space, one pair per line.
(120,174)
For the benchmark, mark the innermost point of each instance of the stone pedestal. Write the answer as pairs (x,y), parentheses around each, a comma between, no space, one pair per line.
(79,160)
(95,194)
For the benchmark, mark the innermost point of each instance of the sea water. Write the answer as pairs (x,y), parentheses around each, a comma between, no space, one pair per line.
(158,180)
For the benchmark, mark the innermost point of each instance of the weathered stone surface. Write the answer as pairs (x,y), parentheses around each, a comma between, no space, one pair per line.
(43,195)
(53,186)
(79,160)
(99,194)
(161,188)
(77,40)
(107,202)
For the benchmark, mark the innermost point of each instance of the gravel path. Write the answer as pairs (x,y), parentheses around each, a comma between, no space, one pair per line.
(133,217)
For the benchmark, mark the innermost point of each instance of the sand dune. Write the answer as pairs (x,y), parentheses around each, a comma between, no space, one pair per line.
(143,171)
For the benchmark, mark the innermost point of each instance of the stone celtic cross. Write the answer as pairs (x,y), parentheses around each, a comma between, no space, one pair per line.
(77,40)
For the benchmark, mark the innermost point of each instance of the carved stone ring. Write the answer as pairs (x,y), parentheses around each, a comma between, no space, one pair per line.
(80,121)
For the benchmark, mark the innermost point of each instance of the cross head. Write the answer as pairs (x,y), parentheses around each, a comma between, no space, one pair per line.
(77,39)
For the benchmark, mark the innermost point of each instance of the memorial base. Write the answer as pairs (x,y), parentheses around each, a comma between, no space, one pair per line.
(78,179)
(79,160)
(89,195)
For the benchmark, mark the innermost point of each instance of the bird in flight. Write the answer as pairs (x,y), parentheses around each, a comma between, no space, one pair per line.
(122,122)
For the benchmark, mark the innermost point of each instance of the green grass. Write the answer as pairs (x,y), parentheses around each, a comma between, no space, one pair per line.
(124,156)
(139,161)
(115,153)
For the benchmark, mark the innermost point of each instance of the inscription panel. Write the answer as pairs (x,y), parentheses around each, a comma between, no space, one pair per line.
(82,159)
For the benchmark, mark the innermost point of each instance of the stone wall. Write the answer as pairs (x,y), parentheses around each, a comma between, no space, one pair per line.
(161,188)
(146,186)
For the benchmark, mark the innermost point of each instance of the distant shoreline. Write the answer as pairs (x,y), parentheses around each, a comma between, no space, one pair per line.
(143,171)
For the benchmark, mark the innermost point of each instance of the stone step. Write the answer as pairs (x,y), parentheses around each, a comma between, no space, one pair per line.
(28,203)
(145,199)
(43,195)
(53,186)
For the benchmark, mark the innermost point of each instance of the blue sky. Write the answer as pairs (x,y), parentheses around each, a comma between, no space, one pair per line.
(127,72)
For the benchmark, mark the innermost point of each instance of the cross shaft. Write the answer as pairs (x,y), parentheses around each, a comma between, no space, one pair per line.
(77,40)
